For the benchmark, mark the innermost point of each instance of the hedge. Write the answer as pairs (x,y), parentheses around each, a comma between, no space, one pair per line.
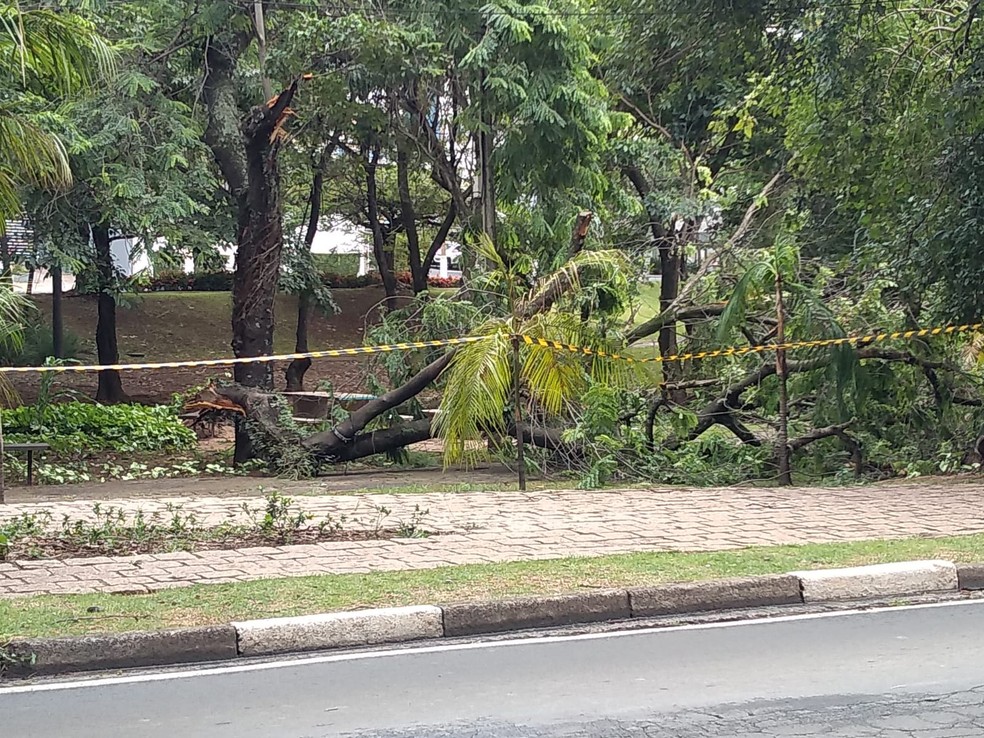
(222,281)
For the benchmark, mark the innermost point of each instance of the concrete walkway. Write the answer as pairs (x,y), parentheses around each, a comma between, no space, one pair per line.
(505,526)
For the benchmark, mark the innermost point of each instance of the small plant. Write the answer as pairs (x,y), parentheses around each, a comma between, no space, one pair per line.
(11,659)
(279,521)
(25,525)
(412,528)
(82,426)
(111,530)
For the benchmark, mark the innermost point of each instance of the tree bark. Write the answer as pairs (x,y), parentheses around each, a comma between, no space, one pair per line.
(671,316)
(298,367)
(330,442)
(441,236)
(110,389)
(839,431)
(383,261)
(668,249)
(718,410)
(580,234)
(486,144)
(259,407)
(418,270)
(247,152)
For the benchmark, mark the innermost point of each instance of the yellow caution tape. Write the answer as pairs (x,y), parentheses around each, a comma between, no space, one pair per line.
(529,340)
(326,354)
(768,347)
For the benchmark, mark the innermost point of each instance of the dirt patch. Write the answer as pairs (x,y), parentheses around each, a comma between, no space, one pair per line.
(181,326)
(204,539)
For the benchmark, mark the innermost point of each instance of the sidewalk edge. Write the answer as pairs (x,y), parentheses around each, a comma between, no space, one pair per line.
(26,657)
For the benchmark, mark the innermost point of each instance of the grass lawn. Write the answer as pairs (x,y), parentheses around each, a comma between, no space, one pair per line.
(221,603)
(647,301)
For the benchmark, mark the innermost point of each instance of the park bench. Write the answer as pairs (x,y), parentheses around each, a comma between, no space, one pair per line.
(30,448)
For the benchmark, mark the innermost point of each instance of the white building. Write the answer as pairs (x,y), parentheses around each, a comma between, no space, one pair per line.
(131,258)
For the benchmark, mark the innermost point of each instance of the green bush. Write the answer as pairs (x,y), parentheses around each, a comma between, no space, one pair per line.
(342,264)
(81,426)
(38,345)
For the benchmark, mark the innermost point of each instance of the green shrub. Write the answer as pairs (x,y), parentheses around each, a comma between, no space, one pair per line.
(38,345)
(343,264)
(81,426)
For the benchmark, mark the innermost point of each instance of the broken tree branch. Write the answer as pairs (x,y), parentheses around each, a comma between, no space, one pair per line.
(330,442)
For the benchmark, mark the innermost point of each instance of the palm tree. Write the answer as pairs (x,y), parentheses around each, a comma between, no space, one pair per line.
(44,56)
(481,379)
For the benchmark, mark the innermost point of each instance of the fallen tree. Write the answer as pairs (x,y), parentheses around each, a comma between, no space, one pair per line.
(353,438)
(270,417)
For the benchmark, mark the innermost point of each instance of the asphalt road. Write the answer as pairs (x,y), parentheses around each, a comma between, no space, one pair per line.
(899,673)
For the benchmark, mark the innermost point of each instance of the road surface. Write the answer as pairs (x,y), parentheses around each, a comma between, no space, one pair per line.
(900,673)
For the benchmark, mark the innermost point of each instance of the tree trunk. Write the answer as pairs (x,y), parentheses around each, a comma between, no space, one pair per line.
(418,270)
(30,279)
(110,390)
(57,321)
(247,152)
(487,173)
(298,367)
(383,261)
(669,288)
(260,245)
(329,444)
(440,237)
(668,248)
(782,437)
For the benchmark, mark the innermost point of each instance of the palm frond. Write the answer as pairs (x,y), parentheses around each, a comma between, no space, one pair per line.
(574,369)
(477,391)
(28,154)
(972,352)
(14,310)
(59,52)
(609,267)
(485,249)
(751,284)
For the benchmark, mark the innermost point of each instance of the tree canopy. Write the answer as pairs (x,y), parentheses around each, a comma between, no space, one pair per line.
(650,177)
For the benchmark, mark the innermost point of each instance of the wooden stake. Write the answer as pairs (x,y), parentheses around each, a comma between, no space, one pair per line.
(518,417)
(782,439)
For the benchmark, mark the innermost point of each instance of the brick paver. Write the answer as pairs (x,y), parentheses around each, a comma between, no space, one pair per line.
(505,526)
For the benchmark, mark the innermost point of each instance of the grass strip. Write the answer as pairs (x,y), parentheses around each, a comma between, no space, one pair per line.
(50,615)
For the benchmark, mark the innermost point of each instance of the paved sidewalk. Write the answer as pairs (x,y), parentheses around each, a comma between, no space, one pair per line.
(505,526)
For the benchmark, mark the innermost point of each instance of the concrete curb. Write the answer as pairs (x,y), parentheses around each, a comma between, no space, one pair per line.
(721,594)
(970,576)
(879,580)
(47,656)
(338,630)
(44,656)
(476,618)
